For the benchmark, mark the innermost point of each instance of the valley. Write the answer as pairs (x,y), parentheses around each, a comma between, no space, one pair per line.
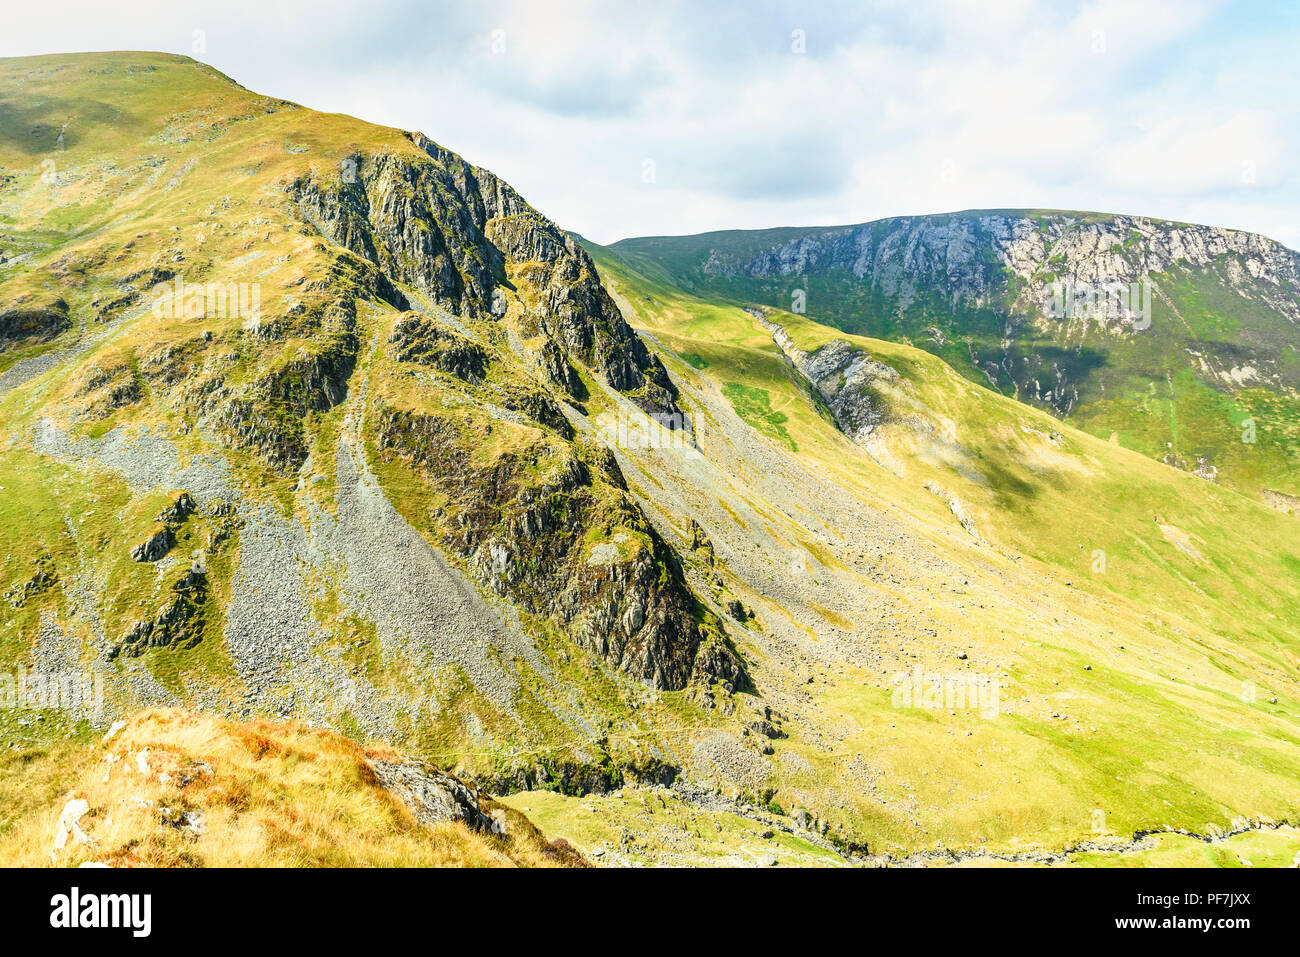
(611,533)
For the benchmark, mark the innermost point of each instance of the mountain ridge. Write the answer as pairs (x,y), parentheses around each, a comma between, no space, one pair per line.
(1013,211)
(552,522)
(1211,352)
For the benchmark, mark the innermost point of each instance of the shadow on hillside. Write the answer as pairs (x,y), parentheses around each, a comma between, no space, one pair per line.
(34,128)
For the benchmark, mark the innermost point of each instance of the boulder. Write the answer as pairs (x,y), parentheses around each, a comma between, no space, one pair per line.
(155,546)
(179,510)
(431,795)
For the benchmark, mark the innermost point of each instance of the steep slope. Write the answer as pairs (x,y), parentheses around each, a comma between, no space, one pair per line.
(308,383)
(914,541)
(1205,374)
(309,418)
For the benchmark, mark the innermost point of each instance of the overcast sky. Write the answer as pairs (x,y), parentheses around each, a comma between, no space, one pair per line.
(638,118)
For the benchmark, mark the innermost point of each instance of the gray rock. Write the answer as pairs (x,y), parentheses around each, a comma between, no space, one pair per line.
(432,795)
(155,546)
(178,510)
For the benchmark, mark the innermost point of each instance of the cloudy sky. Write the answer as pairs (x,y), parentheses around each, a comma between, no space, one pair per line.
(624,119)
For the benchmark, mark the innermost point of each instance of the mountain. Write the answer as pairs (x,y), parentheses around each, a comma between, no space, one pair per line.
(311,419)
(1198,365)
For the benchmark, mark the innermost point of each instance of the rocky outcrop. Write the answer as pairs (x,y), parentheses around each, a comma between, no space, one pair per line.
(579,778)
(419,340)
(181,508)
(26,321)
(105,389)
(312,380)
(1282,501)
(177,624)
(958,509)
(44,577)
(431,345)
(701,544)
(464,238)
(156,546)
(845,376)
(569,544)
(432,796)
(268,418)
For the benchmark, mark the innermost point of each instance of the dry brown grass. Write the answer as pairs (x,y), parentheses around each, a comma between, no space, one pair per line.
(270,795)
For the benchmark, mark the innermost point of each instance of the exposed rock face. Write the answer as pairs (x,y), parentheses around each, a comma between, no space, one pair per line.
(701,543)
(625,599)
(521,522)
(429,344)
(463,237)
(1282,502)
(178,623)
(180,509)
(44,577)
(155,546)
(419,340)
(29,322)
(107,389)
(978,289)
(578,778)
(431,795)
(254,387)
(313,381)
(267,417)
(844,374)
(969,255)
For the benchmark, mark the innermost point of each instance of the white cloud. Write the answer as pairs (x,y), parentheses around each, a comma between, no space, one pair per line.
(894,107)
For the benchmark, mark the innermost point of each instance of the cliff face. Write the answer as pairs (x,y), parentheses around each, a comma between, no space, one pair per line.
(465,239)
(491,265)
(546,522)
(975,257)
(1093,317)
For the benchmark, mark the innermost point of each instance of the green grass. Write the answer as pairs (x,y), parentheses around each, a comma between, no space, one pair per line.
(754,405)
(1161,729)
(1197,310)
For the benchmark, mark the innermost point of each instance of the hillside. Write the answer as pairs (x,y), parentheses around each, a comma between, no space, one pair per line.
(172,789)
(1199,366)
(308,419)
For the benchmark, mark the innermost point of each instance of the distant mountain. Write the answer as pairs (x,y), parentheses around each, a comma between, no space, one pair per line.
(1205,377)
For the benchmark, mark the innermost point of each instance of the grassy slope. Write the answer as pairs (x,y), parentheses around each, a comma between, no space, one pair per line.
(1143,388)
(1046,500)
(164,162)
(141,178)
(1156,726)
(270,795)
